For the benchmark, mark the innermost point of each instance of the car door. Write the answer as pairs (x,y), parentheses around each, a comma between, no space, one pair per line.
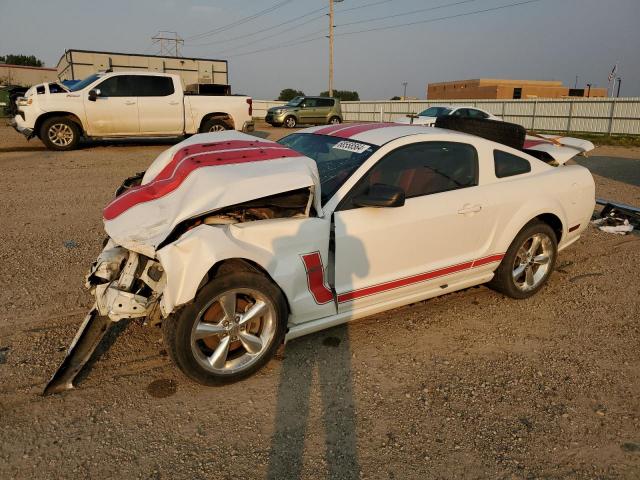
(115,110)
(160,105)
(382,254)
(308,111)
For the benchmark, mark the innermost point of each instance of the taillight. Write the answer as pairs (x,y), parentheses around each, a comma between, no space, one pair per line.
(250,102)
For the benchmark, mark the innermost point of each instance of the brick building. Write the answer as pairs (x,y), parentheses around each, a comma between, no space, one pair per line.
(490,88)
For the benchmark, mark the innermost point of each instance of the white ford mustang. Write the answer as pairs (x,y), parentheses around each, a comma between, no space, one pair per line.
(236,243)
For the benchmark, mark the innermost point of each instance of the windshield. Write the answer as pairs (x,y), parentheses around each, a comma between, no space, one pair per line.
(335,157)
(435,112)
(295,102)
(83,83)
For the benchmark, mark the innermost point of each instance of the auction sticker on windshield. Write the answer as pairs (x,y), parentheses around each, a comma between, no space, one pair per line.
(351,146)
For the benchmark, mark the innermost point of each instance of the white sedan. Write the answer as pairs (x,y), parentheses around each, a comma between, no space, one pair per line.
(236,244)
(429,116)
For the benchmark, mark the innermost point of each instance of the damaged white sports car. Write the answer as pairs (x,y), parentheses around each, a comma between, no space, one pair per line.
(235,243)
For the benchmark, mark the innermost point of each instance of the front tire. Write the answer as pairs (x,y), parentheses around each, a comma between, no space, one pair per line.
(290,121)
(232,328)
(335,120)
(60,133)
(528,263)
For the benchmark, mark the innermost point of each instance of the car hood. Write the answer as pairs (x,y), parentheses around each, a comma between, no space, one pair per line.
(561,149)
(282,107)
(200,175)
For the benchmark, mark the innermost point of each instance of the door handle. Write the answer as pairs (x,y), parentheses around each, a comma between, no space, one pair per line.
(174,103)
(129,103)
(467,208)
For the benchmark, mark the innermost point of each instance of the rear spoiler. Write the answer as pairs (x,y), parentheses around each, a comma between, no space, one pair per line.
(554,149)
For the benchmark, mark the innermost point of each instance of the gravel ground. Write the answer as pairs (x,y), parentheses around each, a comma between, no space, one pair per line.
(469,385)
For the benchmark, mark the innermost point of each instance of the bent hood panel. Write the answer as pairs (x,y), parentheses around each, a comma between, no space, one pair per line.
(200,175)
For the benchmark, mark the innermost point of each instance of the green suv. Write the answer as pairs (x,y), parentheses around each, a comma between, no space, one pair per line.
(305,110)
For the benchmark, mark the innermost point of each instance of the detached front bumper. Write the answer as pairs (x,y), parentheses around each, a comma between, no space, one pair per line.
(17,124)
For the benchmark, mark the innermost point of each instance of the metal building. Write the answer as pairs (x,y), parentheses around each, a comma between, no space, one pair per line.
(78,64)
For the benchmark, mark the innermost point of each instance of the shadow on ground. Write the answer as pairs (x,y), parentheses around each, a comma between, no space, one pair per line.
(625,170)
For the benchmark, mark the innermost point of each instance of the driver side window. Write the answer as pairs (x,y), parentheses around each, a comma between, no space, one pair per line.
(422,169)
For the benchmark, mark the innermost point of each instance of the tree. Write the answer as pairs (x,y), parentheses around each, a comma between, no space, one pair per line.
(344,95)
(26,60)
(289,93)
(396,98)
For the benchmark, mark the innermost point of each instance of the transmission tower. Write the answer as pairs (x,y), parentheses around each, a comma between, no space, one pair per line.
(170,43)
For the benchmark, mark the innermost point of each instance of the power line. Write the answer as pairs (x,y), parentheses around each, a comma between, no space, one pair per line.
(240,21)
(448,17)
(388,27)
(239,37)
(406,13)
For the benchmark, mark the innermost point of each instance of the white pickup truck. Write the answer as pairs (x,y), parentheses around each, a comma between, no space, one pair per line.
(125,104)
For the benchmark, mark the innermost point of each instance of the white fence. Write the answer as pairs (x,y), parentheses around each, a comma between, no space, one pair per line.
(594,115)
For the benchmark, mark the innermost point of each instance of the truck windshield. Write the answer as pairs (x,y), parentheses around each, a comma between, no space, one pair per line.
(337,159)
(83,83)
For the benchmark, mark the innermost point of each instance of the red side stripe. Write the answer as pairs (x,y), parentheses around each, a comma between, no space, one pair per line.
(315,278)
(487,260)
(170,179)
(422,277)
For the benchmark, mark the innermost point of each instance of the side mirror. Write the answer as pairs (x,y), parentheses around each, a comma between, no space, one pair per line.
(381,196)
(93,94)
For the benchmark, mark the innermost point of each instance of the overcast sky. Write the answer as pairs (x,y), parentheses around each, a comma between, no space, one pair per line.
(544,40)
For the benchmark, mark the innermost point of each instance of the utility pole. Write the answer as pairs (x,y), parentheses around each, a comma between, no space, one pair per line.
(588,90)
(404,84)
(576,84)
(169,45)
(331,46)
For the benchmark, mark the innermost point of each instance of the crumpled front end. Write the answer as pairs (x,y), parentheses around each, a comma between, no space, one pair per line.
(126,284)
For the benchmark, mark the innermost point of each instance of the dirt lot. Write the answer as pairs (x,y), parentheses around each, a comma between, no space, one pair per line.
(470,385)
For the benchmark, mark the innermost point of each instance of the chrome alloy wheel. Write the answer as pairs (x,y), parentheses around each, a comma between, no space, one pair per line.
(290,122)
(532,262)
(60,134)
(233,331)
(216,127)
(334,121)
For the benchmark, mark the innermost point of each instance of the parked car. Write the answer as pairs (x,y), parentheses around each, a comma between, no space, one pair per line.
(125,104)
(235,243)
(429,116)
(306,110)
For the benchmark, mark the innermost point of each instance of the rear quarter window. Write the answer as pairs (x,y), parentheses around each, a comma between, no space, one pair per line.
(508,165)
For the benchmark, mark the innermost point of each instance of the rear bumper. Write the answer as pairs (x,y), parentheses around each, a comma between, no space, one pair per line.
(16,123)
(249,126)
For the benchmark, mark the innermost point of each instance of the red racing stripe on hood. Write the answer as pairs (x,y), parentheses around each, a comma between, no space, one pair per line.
(172,176)
(332,128)
(535,143)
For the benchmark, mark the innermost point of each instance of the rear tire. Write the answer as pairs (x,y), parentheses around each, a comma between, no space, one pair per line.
(528,263)
(60,133)
(290,122)
(214,125)
(206,339)
(335,120)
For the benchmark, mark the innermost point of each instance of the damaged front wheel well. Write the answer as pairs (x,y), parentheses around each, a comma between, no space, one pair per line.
(231,265)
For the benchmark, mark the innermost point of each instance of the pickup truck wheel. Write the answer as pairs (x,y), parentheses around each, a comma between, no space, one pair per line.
(233,328)
(60,133)
(528,263)
(290,121)
(214,125)
(335,120)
